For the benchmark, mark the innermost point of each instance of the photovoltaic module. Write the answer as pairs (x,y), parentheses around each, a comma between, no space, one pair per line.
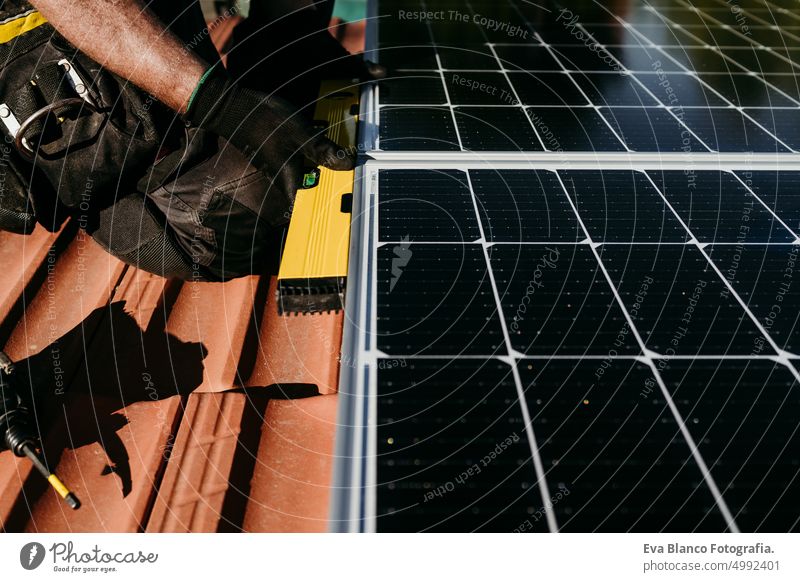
(576,251)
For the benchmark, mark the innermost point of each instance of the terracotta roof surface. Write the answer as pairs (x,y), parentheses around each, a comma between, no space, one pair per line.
(125,366)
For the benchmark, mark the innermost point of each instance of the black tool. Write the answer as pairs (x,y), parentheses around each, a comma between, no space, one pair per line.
(16,432)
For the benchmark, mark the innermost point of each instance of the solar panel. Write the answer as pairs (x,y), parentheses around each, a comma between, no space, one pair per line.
(576,244)
(693,88)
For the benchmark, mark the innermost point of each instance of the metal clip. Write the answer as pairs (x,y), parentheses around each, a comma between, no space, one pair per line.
(77,83)
(6,364)
(12,123)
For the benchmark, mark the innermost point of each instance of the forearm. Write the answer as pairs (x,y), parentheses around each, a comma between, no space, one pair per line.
(128,39)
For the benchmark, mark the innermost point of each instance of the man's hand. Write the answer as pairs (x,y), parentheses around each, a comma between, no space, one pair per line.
(270,132)
(289,54)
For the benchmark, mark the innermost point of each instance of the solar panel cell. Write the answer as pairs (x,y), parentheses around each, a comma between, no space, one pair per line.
(471,88)
(727,130)
(787,84)
(496,129)
(527,58)
(557,302)
(419,88)
(779,191)
(782,123)
(417,128)
(574,129)
(473,57)
(546,89)
(673,89)
(702,60)
(440,202)
(436,300)
(746,91)
(408,57)
(614,89)
(651,130)
(524,205)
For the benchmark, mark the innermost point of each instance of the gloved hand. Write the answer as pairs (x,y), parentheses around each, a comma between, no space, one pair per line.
(268,131)
(292,54)
(333,60)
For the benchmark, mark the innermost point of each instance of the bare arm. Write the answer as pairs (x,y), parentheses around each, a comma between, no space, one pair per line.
(129,40)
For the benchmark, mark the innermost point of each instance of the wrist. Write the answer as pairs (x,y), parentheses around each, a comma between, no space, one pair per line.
(208,97)
(193,97)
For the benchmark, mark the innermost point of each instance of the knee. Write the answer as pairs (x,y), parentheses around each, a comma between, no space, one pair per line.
(247,248)
(133,232)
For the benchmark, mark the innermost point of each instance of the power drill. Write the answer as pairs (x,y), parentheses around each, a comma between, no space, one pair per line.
(16,432)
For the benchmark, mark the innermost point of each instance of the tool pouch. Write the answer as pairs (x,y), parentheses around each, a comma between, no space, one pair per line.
(86,131)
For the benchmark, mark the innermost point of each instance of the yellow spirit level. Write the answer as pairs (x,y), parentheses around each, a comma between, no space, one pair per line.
(313,269)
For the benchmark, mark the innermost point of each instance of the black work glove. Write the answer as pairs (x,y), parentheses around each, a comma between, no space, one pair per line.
(291,55)
(268,131)
(335,61)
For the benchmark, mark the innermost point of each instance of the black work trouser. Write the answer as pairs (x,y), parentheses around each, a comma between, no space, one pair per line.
(200,221)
